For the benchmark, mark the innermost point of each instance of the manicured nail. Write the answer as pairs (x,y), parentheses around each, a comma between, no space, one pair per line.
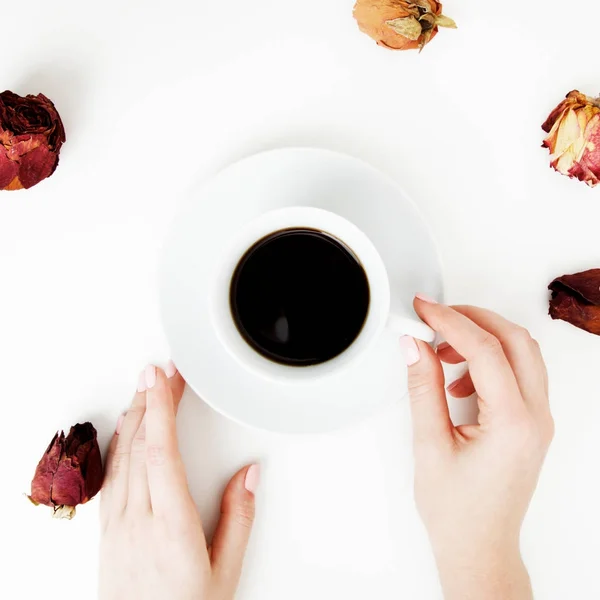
(170,369)
(150,376)
(252,478)
(141,386)
(443,346)
(119,424)
(453,385)
(410,350)
(425,298)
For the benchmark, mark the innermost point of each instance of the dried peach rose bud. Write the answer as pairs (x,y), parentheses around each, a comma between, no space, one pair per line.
(576,300)
(401,24)
(70,472)
(31,136)
(574,138)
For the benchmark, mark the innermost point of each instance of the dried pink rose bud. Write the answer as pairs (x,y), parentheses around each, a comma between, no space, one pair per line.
(31,136)
(401,24)
(70,472)
(574,138)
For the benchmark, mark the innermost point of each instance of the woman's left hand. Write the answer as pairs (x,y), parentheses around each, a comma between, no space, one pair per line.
(153,545)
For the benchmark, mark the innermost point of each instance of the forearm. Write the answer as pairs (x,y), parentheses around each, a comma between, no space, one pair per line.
(484,577)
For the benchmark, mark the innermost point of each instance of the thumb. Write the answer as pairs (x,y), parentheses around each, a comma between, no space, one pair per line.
(428,404)
(233,531)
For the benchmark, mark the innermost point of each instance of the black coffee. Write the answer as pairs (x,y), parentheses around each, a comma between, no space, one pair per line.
(299,297)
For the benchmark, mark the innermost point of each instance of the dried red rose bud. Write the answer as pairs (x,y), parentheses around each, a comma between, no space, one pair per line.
(70,472)
(31,135)
(401,24)
(574,138)
(576,299)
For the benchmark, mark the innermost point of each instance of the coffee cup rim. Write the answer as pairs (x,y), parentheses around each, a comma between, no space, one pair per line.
(267,224)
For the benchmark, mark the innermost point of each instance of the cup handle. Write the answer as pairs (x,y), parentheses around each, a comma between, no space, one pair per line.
(405,326)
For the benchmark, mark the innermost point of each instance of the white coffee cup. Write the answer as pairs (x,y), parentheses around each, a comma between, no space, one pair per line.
(378,318)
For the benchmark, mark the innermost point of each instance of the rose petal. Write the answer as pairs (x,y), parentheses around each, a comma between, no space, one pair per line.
(23,144)
(80,473)
(36,166)
(41,485)
(576,299)
(570,309)
(9,169)
(93,471)
(591,154)
(68,484)
(585,284)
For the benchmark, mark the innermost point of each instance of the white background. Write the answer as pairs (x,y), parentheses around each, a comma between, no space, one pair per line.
(156,95)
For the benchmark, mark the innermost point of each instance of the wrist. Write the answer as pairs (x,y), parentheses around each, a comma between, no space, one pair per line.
(494,571)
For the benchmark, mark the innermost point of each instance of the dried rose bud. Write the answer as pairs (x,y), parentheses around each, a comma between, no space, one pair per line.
(31,134)
(576,300)
(70,472)
(401,24)
(574,138)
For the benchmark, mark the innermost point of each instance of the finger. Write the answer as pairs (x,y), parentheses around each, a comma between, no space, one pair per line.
(138,498)
(106,484)
(463,387)
(468,433)
(176,383)
(166,474)
(523,353)
(490,370)
(120,464)
(233,530)
(447,354)
(429,408)
(140,485)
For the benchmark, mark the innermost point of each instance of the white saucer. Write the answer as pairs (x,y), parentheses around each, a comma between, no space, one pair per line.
(236,196)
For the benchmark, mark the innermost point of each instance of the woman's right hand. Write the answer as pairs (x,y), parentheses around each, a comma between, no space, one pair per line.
(474,483)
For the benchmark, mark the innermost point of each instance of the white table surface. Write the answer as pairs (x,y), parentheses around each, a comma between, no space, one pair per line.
(156,95)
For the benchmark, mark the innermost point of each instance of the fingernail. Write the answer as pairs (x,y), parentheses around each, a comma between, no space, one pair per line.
(150,376)
(453,385)
(141,386)
(425,298)
(119,424)
(170,369)
(252,479)
(410,350)
(443,346)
